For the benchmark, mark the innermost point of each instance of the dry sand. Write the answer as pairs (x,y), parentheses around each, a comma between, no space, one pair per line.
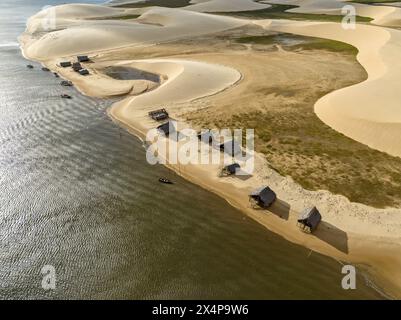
(351,232)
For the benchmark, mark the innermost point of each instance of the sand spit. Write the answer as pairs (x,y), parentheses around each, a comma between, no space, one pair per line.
(350,232)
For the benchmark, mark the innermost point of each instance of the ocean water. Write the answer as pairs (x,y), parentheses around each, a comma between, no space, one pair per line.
(76,193)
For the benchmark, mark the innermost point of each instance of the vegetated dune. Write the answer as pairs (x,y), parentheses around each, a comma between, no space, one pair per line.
(368,112)
(225,5)
(381,15)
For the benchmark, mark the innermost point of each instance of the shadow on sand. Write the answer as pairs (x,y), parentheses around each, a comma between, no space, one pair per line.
(281,209)
(333,236)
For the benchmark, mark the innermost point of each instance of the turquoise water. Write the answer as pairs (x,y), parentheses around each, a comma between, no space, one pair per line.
(77,193)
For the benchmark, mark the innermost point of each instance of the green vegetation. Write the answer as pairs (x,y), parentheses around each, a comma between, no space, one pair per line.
(278,11)
(126,17)
(295,42)
(158,3)
(296,143)
(373,1)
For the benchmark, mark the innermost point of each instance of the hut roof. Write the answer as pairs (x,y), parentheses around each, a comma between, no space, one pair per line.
(158,115)
(166,128)
(206,136)
(264,195)
(65,64)
(310,217)
(83,58)
(231,147)
(84,72)
(232,168)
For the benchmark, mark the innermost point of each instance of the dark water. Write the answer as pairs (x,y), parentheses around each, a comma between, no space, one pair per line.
(76,193)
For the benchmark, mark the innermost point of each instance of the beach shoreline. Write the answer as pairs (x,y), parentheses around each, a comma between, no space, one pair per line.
(365,243)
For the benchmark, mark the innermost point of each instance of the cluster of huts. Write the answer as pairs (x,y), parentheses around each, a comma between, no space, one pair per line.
(262,197)
(77,66)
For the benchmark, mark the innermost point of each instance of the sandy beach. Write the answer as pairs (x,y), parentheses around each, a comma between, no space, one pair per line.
(367,112)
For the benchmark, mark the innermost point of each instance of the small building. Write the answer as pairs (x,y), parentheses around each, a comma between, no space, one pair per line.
(83,72)
(159,115)
(206,136)
(76,66)
(231,148)
(230,169)
(309,219)
(65,64)
(262,197)
(166,128)
(83,58)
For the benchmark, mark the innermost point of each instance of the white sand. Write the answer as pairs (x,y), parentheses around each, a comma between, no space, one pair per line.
(369,112)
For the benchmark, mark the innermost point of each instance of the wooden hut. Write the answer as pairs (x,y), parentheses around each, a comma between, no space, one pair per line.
(83,72)
(262,197)
(206,136)
(83,58)
(65,64)
(309,219)
(230,170)
(166,128)
(231,148)
(158,115)
(76,66)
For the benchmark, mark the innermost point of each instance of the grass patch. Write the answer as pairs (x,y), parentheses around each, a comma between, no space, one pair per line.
(126,17)
(295,42)
(156,3)
(278,11)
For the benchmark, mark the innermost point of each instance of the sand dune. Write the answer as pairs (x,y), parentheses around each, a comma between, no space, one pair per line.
(155,25)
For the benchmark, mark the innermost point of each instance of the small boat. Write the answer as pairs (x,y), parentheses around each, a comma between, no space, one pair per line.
(45,69)
(165,180)
(66,83)
(65,96)
(29,66)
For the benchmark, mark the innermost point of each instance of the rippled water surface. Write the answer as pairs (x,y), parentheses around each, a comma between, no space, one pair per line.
(76,193)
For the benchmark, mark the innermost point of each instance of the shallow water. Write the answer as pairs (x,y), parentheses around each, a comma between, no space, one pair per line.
(127,73)
(76,193)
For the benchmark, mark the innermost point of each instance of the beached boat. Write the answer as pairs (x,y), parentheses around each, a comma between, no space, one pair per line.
(165,180)
(66,83)
(29,66)
(45,69)
(65,96)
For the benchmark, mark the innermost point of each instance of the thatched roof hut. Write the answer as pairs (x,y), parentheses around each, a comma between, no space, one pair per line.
(230,169)
(83,59)
(309,219)
(231,148)
(166,128)
(76,66)
(65,64)
(206,136)
(262,197)
(83,72)
(158,115)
